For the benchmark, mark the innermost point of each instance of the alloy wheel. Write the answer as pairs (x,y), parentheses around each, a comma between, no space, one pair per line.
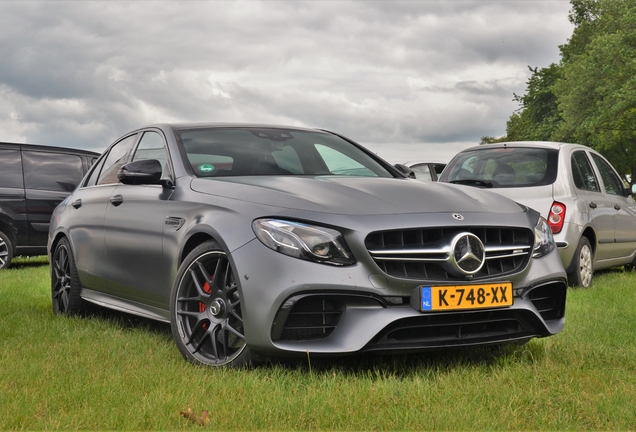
(208,310)
(61,290)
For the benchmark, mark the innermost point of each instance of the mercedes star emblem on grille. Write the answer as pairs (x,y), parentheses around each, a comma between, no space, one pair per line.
(468,254)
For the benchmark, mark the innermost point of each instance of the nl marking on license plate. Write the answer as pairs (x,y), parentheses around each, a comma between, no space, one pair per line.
(439,298)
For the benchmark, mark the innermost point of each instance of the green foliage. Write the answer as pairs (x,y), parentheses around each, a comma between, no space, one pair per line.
(492,140)
(597,92)
(539,115)
(590,96)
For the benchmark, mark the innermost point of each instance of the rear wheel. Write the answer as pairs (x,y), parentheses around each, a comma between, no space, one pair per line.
(583,270)
(65,284)
(205,310)
(6,251)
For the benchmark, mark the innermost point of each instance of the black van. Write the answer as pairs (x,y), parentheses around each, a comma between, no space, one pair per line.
(33,181)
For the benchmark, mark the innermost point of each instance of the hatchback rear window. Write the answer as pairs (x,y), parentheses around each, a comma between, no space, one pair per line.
(504,167)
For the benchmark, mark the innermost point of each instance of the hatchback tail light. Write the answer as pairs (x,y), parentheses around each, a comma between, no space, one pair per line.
(556,217)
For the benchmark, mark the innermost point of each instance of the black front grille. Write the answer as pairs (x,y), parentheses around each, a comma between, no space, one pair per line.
(549,300)
(308,318)
(457,329)
(419,254)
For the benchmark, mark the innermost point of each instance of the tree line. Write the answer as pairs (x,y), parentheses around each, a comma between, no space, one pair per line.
(589,97)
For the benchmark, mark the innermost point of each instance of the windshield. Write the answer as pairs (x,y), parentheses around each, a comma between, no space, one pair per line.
(503,167)
(221,152)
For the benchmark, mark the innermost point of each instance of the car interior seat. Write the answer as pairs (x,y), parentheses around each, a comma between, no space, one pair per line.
(268,166)
(461,174)
(504,174)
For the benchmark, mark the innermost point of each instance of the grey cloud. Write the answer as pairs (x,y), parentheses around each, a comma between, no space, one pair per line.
(83,73)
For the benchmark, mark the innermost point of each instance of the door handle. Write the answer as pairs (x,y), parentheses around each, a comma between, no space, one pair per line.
(116,200)
(77,203)
(593,204)
(617,207)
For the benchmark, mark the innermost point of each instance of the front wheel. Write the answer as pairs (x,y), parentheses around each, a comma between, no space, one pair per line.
(583,269)
(6,251)
(205,310)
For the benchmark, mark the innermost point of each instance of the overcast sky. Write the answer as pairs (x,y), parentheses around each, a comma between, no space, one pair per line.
(411,80)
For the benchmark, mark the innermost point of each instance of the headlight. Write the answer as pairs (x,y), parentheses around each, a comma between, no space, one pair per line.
(543,239)
(304,241)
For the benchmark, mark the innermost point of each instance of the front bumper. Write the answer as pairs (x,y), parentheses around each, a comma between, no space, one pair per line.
(291,306)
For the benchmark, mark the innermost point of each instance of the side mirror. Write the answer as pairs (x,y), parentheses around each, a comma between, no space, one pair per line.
(408,172)
(141,172)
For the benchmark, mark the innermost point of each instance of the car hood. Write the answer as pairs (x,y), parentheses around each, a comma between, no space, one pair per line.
(355,195)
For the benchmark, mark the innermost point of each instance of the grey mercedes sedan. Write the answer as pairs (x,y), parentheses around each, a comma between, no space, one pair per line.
(255,240)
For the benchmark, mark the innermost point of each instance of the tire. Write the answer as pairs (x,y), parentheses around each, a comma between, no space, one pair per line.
(65,283)
(205,310)
(583,271)
(6,251)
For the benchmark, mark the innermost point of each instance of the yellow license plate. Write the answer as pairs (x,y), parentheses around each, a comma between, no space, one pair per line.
(453,297)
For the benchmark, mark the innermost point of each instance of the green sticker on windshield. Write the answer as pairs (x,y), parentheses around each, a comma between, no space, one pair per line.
(206,168)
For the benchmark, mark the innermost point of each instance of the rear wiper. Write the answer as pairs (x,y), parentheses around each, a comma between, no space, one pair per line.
(473,182)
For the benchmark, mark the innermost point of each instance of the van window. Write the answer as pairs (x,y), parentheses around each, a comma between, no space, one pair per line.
(10,169)
(52,171)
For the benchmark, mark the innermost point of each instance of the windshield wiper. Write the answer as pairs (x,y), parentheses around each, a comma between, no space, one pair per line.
(473,182)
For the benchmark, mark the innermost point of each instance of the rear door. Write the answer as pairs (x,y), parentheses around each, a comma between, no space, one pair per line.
(88,207)
(48,178)
(601,211)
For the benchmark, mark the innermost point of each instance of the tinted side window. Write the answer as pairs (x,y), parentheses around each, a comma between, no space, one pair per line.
(151,146)
(10,169)
(115,159)
(422,172)
(92,178)
(439,168)
(613,184)
(582,172)
(52,171)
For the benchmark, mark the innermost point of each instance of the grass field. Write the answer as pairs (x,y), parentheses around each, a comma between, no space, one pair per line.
(118,372)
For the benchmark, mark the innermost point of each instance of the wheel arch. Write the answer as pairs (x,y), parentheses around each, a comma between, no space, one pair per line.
(193,241)
(58,237)
(10,233)
(590,235)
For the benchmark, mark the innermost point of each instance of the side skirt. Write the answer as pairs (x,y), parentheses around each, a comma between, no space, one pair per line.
(118,304)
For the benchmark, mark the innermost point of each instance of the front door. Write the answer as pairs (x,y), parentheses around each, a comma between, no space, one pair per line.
(133,230)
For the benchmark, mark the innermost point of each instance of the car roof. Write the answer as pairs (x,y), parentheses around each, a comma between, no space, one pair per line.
(208,125)
(55,149)
(526,144)
(427,161)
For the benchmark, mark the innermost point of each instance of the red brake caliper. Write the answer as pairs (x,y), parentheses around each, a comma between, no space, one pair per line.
(208,290)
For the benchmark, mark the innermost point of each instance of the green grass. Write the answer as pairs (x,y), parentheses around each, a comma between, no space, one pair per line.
(118,372)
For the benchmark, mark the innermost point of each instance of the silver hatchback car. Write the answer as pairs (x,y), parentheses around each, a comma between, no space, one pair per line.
(591,213)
